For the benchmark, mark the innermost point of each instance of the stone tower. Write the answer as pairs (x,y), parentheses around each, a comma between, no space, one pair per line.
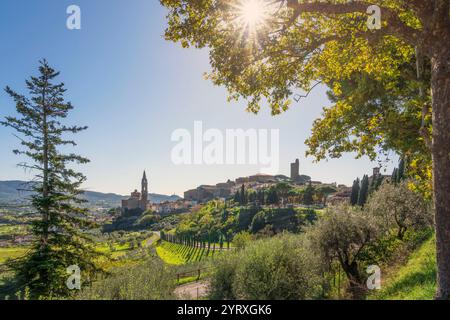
(295,170)
(376,171)
(144,192)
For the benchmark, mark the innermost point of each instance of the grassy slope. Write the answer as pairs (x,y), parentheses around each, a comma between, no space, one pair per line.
(414,281)
(12,253)
(177,254)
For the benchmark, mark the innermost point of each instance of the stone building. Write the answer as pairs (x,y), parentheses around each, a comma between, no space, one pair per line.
(295,170)
(205,193)
(138,200)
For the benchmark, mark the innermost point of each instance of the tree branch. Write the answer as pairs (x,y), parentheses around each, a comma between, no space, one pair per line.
(395,26)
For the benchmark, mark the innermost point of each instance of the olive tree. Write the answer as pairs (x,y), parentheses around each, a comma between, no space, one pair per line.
(400,208)
(281,267)
(342,234)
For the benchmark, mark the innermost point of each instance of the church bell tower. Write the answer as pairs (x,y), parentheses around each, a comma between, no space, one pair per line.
(144,191)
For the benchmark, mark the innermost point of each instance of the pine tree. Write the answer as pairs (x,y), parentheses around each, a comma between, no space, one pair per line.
(58,239)
(364,191)
(355,192)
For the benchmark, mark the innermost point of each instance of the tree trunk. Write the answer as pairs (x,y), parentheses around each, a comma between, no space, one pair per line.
(441,165)
(356,287)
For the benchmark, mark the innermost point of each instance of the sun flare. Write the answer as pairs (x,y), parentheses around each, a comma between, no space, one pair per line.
(252,12)
(252,16)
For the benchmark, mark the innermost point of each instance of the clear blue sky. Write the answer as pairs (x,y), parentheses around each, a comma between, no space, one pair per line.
(132,88)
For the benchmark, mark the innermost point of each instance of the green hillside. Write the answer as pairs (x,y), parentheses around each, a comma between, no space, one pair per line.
(177,254)
(416,280)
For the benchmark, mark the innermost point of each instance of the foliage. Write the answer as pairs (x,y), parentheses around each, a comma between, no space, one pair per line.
(241,239)
(58,240)
(302,43)
(363,191)
(12,253)
(414,281)
(342,234)
(218,222)
(151,280)
(178,254)
(148,219)
(277,268)
(355,192)
(308,195)
(400,208)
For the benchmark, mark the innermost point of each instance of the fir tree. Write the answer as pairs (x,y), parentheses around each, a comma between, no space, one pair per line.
(58,238)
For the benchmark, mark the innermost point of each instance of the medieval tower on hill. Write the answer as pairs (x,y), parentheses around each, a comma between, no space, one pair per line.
(295,170)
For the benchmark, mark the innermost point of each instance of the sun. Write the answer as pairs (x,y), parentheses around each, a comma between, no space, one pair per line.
(251,16)
(252,12)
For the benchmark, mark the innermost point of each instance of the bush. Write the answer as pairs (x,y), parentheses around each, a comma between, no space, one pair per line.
(148,281)
(241,239)
(269,269)
(148,220)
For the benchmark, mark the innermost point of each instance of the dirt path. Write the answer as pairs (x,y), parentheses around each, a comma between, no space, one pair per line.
(193,290)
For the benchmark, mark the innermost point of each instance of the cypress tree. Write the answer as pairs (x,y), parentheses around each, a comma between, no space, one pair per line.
(355,192)
(237,197)
(364,191)
(394,177)
(401,171)
(243,196)
(57,238)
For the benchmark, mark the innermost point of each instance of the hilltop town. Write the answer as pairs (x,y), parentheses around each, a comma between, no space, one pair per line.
(138,201)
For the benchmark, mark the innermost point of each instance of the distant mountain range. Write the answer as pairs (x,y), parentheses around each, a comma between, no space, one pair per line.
(13,191)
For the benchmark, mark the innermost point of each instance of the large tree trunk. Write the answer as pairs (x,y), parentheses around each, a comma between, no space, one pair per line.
(441,164)
(356,285)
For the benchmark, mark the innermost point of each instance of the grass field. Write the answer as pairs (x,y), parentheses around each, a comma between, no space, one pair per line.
(177,254)
(414,281)
(8,229)
(11,253)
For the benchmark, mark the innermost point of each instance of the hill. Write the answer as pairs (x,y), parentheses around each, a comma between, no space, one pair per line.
(416,280)
(13,191)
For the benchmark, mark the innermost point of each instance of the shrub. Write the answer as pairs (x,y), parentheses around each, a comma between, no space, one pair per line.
(241,239)
(148,281)
(276,268)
